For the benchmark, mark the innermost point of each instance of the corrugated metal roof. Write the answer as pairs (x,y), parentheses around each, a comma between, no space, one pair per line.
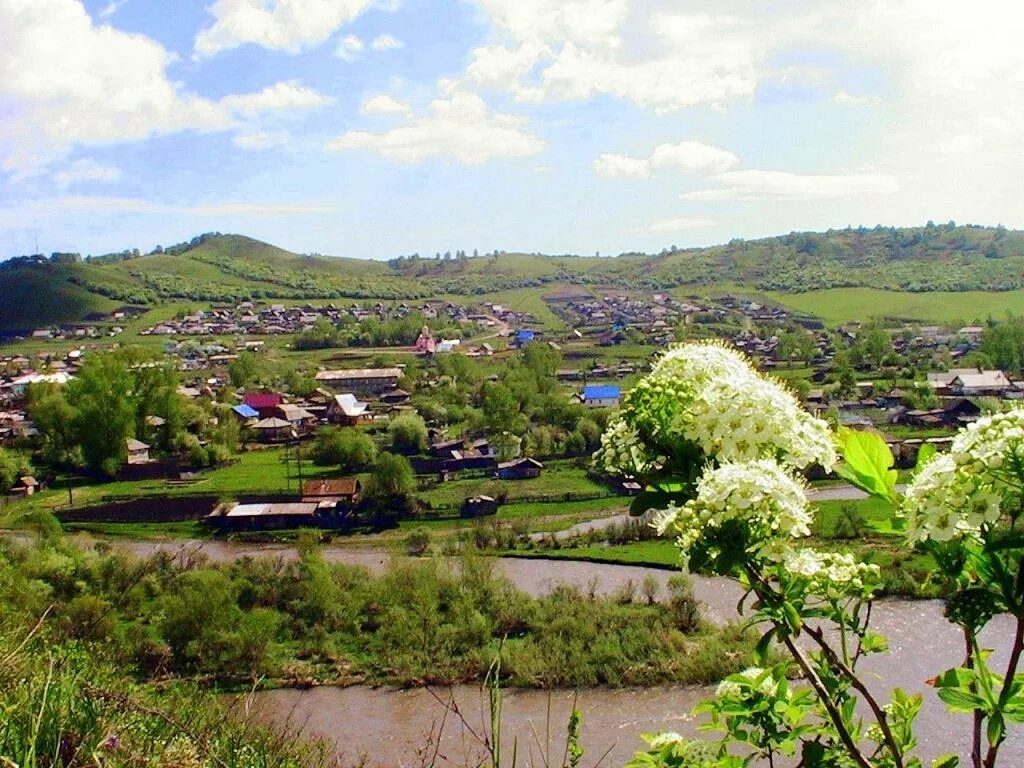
(601,392)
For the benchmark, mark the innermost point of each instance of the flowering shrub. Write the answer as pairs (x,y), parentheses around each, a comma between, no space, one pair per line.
(718,447)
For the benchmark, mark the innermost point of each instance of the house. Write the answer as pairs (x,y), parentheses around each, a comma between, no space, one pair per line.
(347,410)
(425,344)
(601,395)
(342,491)
(266,516)
(26,486)
(302,421)
(361,381)
(245,413)
(273,430)
(524,337)
(447,345)
(138,452)
(395,397)
(952,413)
(478,506)
(19,387)
(942,382)
(992,383)
(446,449)
(519,469)
(264,403)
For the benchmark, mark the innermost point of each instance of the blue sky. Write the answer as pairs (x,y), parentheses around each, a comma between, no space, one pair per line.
(373,128)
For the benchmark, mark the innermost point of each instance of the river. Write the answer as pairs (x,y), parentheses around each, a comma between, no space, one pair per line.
(389,726)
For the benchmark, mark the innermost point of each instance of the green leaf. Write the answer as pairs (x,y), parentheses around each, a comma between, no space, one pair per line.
(763,646)
(996,728)
(961,701)
(946,761)
(868,463)
(924,455)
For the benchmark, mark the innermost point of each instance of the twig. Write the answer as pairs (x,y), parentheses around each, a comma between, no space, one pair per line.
(13,654)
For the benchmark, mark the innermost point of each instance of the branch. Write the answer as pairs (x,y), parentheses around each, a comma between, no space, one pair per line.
(880,715)
(826,701)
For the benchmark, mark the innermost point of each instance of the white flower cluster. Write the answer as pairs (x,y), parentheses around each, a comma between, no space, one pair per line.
(990,443)
(831,574)
(750,679)
(623,452)
(948,500)
(712,396)
(770,500)
(955,495)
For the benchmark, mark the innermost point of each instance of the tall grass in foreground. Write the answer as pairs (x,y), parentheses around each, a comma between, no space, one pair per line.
(61,706)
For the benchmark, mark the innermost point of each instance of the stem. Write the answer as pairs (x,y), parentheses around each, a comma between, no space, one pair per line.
(880,715)
(760,586)
(979,716)
(1011,671)
(826,701)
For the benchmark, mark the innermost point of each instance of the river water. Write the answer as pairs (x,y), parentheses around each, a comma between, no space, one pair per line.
(399,727)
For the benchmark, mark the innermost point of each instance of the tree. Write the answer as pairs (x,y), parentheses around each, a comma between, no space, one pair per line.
(350,449)
(390,485)
(104,398)
(501,409)
(243,370)
(10,470)
(408,434)
(54,417)
(797,345)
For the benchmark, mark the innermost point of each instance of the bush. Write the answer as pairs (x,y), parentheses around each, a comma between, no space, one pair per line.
(417,543)
(350,449)
(408,434)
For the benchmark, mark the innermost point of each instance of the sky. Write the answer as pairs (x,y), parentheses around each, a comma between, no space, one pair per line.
(375,128)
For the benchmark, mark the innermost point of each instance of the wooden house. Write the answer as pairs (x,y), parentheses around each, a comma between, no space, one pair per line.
(347,410)
(519,469)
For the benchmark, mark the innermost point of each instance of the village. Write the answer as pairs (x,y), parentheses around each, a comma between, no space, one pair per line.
(910,388)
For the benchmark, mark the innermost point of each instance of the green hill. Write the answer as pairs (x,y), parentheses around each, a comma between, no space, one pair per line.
(791,268)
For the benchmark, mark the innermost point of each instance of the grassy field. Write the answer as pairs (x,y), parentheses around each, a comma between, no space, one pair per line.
(840,305)
(555,481)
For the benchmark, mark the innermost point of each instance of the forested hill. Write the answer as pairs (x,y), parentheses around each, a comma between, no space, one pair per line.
(36,291)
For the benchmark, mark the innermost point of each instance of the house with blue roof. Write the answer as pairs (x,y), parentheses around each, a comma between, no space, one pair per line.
(524,337)
(602,395)
(245,412)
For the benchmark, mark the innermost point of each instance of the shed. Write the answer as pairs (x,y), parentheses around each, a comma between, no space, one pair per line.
(138,451)
(273,430)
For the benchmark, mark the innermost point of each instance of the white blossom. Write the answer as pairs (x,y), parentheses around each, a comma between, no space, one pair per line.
(761,493)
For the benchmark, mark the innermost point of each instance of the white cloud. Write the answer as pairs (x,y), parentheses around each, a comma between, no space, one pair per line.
(85,170)
(111,8)
(283,25)
(677,224)
(65,82)
(386,43)
(577,49)
(349,48)
(781,185)
(460,127)
(382,104)
(591,21)
(686,156)
(286,95)
(613,166)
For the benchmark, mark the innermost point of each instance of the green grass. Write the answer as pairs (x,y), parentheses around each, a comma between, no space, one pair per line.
(656,554)
(841,305)
(554,481)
